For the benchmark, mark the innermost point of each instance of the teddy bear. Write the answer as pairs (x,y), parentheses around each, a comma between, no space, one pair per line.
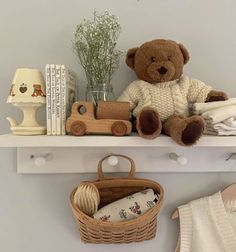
(38,91)
(161,97)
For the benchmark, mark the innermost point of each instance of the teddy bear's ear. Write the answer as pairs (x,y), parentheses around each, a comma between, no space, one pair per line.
(130,56)
(184,52)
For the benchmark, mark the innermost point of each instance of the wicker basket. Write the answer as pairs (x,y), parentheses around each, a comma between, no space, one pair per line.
(111,189)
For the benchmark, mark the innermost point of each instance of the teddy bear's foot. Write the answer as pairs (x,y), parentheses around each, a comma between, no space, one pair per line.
(193,130)
(148,123)
(184,131)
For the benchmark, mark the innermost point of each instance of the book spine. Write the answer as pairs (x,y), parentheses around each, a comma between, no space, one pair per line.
(58,100)
(48,100)
(53,98)
(63,100)
(70,91)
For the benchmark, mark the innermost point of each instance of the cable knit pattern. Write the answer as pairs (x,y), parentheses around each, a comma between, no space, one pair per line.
(167,98)
(208,225)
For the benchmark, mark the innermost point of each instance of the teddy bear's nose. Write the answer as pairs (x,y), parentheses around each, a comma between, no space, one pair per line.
(162,70)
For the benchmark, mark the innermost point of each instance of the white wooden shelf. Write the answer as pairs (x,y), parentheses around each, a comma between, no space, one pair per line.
(9,140)
(71,154)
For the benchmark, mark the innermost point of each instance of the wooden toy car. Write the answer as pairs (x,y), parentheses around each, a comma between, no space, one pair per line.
(84,121)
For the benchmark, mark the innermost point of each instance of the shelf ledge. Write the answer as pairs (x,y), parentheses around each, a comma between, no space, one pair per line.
(9,140)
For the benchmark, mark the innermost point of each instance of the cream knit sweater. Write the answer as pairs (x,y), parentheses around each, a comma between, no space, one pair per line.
(207,225)
(167,98)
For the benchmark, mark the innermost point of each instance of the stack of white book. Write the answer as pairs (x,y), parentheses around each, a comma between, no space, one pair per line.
(61,93)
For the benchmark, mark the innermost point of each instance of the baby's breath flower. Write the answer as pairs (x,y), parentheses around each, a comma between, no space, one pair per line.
(94,43)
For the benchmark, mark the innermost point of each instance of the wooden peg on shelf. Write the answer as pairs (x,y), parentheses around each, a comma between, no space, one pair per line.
(41,160)
(182,160)
(113,160)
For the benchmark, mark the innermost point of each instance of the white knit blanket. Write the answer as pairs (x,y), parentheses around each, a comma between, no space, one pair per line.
(200,108)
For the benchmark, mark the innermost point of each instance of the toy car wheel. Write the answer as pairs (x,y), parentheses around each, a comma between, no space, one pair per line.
(78,128)
(119,128)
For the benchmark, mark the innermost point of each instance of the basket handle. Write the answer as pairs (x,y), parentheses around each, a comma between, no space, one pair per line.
(131,174)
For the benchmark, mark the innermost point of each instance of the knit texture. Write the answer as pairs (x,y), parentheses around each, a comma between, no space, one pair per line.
(200,108)
(168,98)
(207,225)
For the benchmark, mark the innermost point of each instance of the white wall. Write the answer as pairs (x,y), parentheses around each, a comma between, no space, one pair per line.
(34,212)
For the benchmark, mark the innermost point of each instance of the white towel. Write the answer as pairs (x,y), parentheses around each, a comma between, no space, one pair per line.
(220,114)
(199,108)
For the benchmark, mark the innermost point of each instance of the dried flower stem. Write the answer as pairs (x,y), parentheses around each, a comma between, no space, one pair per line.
(94,43)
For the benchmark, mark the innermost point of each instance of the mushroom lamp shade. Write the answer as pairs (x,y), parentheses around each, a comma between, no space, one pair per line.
(28,93)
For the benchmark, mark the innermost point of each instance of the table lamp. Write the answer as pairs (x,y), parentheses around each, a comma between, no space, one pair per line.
(27,93)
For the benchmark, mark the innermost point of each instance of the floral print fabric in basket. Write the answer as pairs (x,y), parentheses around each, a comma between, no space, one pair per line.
(129,207)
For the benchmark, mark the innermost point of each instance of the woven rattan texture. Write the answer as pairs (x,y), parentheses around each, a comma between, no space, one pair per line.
(111,189)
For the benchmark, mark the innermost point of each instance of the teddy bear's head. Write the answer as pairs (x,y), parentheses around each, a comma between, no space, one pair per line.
(158,60)
(37,87)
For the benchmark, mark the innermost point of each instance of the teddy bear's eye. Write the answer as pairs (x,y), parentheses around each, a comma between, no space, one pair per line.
(169,58)
(153,59)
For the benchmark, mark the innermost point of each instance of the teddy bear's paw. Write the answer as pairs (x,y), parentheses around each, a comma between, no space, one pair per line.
(216,96)
(148,123)
(193,130)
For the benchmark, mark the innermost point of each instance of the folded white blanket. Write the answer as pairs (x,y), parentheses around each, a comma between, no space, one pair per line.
(225,128)
(209,131)
(220,117)
(199,108)
(220,114)
(231,122)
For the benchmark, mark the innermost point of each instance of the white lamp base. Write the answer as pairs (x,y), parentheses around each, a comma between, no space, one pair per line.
(29,126)
(28,131)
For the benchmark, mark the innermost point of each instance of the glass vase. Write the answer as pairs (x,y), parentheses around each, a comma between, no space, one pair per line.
(101,92)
